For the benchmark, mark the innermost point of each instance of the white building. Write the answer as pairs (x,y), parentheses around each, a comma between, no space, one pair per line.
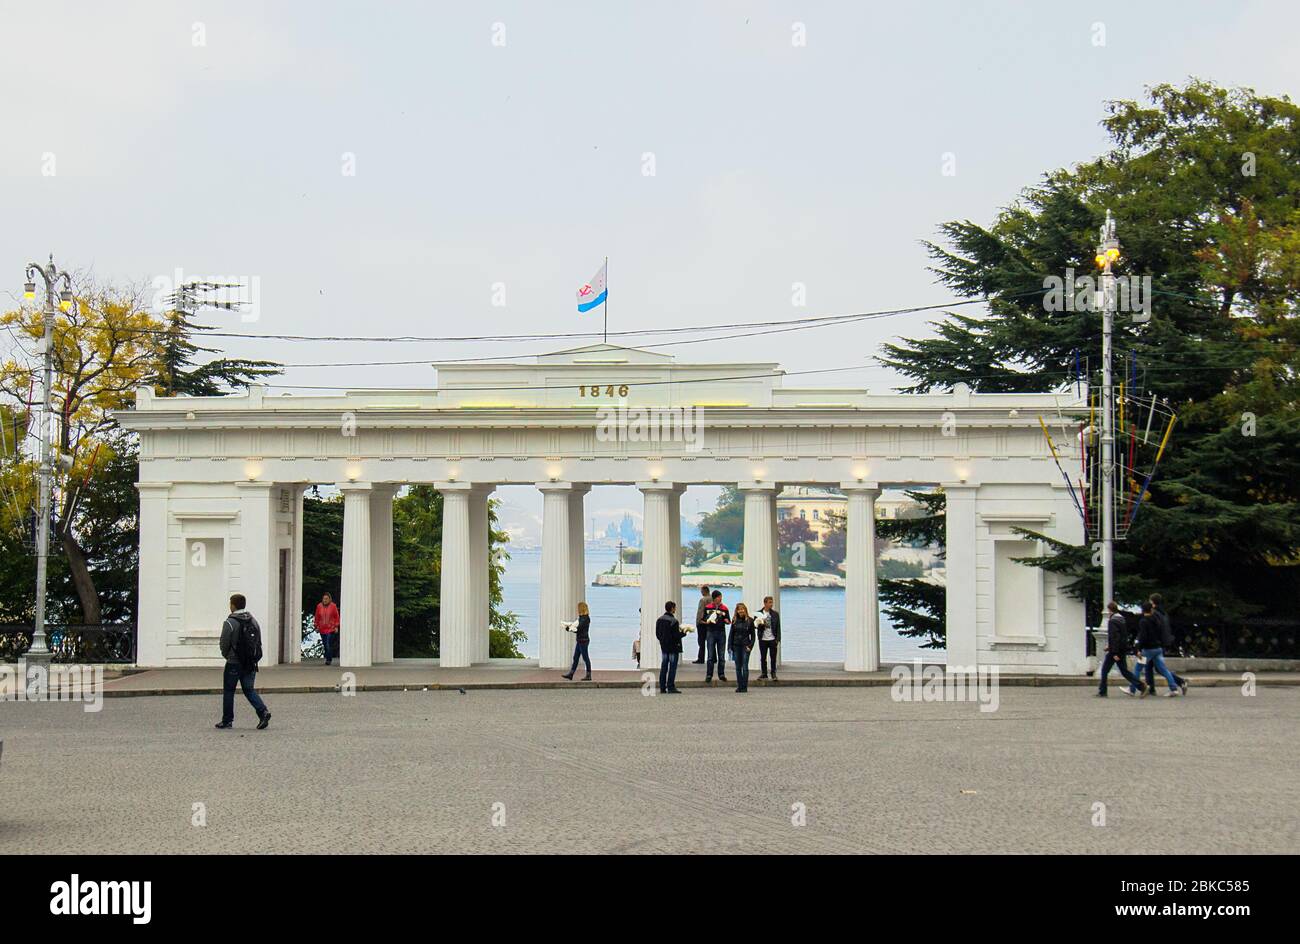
(222,480)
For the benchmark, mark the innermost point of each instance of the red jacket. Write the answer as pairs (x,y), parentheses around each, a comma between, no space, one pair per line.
(327,618)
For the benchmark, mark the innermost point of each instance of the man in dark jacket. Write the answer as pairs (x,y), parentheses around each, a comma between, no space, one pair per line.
(239,669)
(716,619)
(769,637)
(701,628)
(1150,644)
(669,633)
(1117,651)
(1167,642)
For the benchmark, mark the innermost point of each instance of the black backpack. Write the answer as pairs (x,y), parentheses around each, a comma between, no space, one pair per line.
(248,643)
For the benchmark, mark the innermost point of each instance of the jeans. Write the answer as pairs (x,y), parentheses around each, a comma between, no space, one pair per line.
(580,651)
(235,675)
(717,649)
(1117,661)
(742,669)
(1156,660)
(1151,672)
(668,671)
(765,647)
(329,643)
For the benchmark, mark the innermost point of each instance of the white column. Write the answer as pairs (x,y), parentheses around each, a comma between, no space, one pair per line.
(555,646)
(577,547)
(759,566)
(381,570)
(356,606)
(861,604)
(478,550)
(295,634)
(151,615)
(456,614)
(657,578)
(675,549)
(259,564)
(959,572)
(775,592)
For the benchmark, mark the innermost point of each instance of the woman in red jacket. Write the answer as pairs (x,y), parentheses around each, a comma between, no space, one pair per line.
(327,624)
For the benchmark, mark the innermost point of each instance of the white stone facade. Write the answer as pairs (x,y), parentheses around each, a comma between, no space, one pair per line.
(222,480)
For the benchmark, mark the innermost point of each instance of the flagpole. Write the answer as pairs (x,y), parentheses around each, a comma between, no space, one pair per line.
(606,305)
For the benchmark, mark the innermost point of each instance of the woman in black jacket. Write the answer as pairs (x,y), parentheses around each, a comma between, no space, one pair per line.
(741,641)
(582,628)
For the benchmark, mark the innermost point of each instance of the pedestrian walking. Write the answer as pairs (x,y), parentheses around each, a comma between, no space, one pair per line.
(1117,645)
(1167,642)
(1150,644)
(327,624)
(582,628)
(241,644)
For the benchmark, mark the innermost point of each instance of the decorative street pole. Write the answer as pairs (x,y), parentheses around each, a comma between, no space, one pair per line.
(1107,253)
(52,275)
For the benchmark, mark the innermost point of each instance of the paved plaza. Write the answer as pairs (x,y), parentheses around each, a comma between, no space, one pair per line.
(611,770)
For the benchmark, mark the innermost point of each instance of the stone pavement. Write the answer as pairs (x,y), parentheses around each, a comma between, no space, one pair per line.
(590,770)
(315,676)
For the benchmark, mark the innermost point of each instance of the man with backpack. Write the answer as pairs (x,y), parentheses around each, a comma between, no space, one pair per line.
(241,644)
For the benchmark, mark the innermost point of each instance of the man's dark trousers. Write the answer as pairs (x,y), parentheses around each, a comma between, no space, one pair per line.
(235,675)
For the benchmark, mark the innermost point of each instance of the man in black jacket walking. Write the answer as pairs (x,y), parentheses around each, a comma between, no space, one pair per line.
(669,633)
(1117,650)
(241,644)
(1150,644)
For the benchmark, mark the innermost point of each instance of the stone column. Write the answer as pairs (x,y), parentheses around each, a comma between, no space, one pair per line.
(456,616)
(760,565)
(555,646)
(381,570)
(959,572)
(259,563)
(478,550)
(675,549)
(151,618)
(861,604)
(657,578)
(775,592)
(356,606)
(295,649)
(577,546)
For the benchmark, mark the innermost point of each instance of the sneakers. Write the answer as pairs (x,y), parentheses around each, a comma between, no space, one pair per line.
(264,721)
(222,725)
(1172,693)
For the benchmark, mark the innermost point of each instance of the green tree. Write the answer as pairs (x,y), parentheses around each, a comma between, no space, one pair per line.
(726,523)
(1205,184)
(914,605)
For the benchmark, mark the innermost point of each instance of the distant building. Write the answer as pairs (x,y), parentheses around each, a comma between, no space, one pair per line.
(824,509)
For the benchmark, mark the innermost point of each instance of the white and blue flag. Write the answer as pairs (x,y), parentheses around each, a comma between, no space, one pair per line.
(594,292)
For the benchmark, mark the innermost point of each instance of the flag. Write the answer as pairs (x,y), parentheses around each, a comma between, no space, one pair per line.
(593,293)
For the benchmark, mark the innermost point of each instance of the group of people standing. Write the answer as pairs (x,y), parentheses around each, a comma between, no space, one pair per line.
(712,619)
(720,635)
(1155,636)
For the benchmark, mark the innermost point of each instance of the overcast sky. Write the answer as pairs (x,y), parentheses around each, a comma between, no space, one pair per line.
(505,148)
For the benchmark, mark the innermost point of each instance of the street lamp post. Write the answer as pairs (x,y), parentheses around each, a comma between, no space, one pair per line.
(1107,254)
(52,275)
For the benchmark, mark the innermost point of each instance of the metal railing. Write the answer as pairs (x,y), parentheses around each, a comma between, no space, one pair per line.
(73,642)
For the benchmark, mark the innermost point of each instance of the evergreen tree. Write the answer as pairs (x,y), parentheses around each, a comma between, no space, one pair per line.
(914,605)
(177,374)
(1205,184)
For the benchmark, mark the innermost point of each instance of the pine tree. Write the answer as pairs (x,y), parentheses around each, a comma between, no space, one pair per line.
(1205,183)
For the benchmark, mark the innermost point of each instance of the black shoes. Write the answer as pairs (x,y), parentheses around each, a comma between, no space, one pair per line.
(569,676)
(264,721)
(673,691)
(585,678)
(698,662)
(763,676)
(222,725)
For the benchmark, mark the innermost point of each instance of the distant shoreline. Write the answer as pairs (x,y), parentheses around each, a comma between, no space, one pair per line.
(807,580)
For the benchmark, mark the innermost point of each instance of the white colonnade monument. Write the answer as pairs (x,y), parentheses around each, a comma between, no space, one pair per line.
(222,482)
